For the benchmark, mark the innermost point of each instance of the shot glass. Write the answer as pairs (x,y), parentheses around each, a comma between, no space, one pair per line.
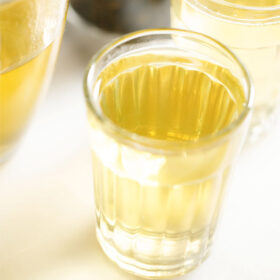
(251,30)
(168,111)
(30,36)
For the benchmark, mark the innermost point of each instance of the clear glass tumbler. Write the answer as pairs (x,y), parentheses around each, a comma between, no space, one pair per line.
(168,112)
(30,36)
(251,29)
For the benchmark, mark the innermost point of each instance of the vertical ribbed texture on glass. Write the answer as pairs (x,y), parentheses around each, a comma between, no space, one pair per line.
(157,208)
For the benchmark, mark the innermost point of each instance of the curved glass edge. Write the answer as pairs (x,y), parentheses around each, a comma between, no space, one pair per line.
(146,143)
(251,15)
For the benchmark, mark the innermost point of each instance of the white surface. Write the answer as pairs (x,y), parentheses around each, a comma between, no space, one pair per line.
(46,198)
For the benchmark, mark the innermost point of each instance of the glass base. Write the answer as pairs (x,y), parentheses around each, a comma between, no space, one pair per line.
(154,257)
(263,121)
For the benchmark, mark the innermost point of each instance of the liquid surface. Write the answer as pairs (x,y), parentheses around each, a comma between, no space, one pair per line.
(159,209)
(181,99)
(26,28)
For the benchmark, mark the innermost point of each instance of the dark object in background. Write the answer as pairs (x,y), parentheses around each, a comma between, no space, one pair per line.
(123,16)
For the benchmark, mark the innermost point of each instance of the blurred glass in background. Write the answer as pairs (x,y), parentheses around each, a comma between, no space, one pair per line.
(30,36)
(251,30)
(109,18)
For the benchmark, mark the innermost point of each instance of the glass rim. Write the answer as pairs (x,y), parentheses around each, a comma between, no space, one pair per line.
(249,15)
(146,143)
(245,7)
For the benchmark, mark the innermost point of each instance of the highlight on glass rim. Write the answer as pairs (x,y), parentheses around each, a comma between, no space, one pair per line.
(139,139)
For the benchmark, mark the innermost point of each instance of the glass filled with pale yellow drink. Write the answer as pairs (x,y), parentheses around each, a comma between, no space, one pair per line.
(30,36)
(168,112)
(251,29)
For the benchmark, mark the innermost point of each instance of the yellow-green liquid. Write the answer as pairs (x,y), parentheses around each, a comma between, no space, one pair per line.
(19,92)
(253,36)
(161,208)
(30,32)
